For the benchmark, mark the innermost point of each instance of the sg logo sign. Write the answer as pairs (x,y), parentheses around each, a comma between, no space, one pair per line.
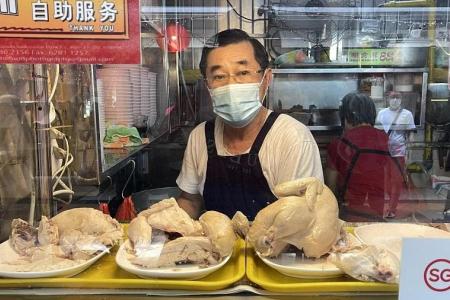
(437,275)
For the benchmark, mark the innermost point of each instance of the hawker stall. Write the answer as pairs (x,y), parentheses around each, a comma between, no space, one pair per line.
(227,148)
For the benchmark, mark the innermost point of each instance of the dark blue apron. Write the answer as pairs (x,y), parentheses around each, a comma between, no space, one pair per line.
(237,182)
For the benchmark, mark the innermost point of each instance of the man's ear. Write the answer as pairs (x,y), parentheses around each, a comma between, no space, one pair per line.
(266,82)
(268,78)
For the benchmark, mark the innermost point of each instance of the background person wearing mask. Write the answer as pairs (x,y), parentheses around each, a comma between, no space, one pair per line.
(234,162)
(359,161)
(397,122)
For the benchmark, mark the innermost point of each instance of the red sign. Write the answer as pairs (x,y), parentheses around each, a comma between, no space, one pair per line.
(437,275)
(70,32)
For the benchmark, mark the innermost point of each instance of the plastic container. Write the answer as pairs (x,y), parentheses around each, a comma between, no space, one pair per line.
(420,180)
(143,199)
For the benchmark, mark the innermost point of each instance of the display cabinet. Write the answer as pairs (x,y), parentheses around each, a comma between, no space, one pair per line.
(313,95)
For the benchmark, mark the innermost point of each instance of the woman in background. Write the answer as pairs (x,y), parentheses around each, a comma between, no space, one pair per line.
(358,161)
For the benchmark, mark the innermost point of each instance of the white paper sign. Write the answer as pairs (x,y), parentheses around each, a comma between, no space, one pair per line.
(425,269)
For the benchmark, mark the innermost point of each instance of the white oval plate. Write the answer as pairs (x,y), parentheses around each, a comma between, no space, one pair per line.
(389,235)
(5,249)
(299,267)
(187,272)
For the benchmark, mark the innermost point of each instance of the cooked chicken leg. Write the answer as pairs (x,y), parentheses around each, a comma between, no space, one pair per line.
(218,228)
(48,232)
(241,225)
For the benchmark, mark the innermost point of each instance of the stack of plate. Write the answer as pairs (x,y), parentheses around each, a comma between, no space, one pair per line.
(116,95)
(127,96)
(148,104)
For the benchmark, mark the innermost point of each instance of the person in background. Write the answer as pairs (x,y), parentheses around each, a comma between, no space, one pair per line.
(358,161)
(398,123)
(233,162)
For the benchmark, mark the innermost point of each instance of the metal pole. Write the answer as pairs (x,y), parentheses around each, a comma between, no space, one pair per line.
(43,172)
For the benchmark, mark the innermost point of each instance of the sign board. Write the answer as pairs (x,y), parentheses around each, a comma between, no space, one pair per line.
(425,269)
(70,31)
(374,57)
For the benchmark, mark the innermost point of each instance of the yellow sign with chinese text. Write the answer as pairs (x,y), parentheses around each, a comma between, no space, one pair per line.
(72,19)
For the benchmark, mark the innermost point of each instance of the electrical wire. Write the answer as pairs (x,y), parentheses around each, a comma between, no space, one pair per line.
(68,159)
(55,84)
(245,18)
(57,176)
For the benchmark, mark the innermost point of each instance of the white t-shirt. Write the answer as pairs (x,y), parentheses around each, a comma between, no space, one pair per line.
(397,137)
(288,152)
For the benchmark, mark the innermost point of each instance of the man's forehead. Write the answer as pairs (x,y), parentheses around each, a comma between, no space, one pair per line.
(234,54)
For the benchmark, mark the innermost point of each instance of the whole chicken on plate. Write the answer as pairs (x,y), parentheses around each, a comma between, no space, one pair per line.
(305,216)
(65,240)
(164,236)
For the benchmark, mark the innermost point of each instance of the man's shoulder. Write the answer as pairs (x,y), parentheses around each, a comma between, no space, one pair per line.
(406,112)
(384,111)
(198,133)
(289,130)
(286,120)
(199,128)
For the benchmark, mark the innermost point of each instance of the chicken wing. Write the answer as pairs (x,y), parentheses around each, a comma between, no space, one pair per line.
(140,234)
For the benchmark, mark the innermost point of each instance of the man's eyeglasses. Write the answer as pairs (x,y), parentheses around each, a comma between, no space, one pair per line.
(244,76)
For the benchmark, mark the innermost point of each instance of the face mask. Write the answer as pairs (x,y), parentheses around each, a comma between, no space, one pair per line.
(395,103)
(237,104)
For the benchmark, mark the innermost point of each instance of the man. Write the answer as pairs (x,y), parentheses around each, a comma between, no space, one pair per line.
(234,162)
(398,123)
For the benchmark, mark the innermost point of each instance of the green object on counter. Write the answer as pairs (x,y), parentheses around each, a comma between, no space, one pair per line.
(291,57)
(115,132)
(191,76)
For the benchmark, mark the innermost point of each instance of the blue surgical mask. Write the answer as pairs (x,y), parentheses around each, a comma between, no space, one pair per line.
(237,104)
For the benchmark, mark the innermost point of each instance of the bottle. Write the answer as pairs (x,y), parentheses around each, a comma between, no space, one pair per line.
(377,87)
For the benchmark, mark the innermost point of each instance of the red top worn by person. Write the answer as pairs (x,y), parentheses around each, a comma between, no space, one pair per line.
(359,160)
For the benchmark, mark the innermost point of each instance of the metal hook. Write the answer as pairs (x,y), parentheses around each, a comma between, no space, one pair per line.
(129,177)
(106,188)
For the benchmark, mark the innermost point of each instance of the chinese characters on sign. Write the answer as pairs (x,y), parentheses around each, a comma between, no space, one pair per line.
(40,11)
(383,56)
(106,19)
(70,31)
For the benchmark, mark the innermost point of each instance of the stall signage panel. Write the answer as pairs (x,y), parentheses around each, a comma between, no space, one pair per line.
(374,57)
(69,31)
(425,269)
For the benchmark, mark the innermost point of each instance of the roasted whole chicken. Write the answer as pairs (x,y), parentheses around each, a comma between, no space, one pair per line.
(164,235)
